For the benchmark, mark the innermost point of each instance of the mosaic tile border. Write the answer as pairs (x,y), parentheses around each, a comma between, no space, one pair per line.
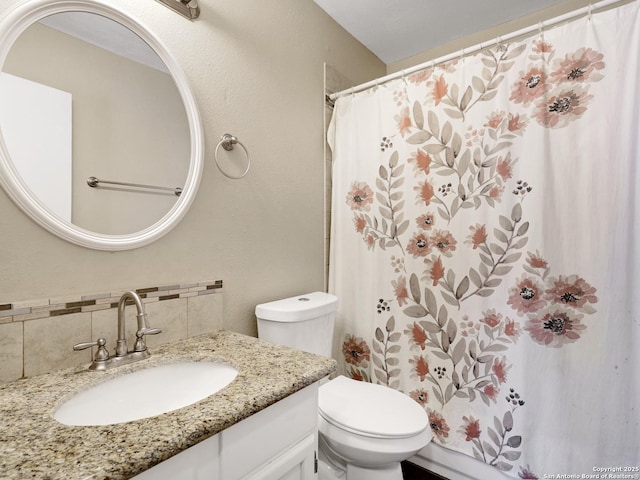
(33,309)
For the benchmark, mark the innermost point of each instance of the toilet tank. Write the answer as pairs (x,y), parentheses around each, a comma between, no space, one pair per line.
(304,322)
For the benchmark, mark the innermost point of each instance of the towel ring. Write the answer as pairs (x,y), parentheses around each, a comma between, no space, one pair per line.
(227,141)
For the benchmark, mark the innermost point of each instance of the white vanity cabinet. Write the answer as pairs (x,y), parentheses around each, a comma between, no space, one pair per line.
(277,443)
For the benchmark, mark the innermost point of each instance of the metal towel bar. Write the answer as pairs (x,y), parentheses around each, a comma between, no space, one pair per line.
(95,182)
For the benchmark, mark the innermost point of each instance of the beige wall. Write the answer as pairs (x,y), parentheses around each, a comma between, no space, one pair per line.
(256,68)
(489,35)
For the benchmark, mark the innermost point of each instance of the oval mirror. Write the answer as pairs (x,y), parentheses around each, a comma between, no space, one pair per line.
(88,96)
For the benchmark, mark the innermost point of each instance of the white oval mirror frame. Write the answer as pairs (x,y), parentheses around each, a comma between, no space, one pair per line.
(12,25)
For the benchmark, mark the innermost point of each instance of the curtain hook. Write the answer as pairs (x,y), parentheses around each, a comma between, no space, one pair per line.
(540,28)
(352,93)
(404,76)
(589,10)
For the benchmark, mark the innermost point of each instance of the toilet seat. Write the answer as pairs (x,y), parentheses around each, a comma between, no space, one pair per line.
(370,410)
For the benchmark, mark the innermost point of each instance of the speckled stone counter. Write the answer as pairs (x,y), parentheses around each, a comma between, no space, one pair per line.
(35,446)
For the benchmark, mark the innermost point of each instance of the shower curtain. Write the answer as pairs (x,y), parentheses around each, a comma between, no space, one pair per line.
(485,247)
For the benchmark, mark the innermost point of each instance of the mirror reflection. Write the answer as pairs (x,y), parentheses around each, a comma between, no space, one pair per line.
(84,97)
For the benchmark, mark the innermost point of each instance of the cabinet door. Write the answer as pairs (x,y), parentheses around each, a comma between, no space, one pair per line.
(297,463)
(264,436)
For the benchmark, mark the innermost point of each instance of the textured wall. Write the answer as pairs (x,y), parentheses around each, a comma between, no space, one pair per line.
(256,68)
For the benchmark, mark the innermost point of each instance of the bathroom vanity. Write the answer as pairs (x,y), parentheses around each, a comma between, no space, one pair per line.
(262,425)
(276,443)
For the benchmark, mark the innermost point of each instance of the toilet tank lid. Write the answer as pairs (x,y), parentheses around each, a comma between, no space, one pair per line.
(298,309)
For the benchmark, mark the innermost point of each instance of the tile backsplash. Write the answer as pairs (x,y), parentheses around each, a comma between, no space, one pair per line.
(37,336)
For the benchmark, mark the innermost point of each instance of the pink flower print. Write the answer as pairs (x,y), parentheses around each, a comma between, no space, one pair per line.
(449,67)
(505,168)
(580,66)
(440,90)
(421,76)
(425,221)
(572,291)
(473,135)
(467,327)
(563,105)
(512,330)
(355,350)
(438,425)
(443,241)
(421,396)
(500,369)
(492,392)
(356,374)
(496,192)
(425,193)
(435,269)
(418,335)
(517,124)
(421,367)
(531,86)
(540,46)
(471,428)
(478,236)
(535,260)
(360,197)
(554,326)
(404,121)
(494,120)
(360,222)
(419,245)
(370,240)
(422,161)
(525,473)
(400,289)
(491,318)
(526,296)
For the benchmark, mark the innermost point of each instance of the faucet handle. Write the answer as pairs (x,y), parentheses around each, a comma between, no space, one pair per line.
(140,345)
(148,331)
(101,355)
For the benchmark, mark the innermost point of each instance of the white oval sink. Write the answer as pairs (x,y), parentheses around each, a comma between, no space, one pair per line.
(145,393)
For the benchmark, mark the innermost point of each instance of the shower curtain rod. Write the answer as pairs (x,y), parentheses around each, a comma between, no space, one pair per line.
(476,48)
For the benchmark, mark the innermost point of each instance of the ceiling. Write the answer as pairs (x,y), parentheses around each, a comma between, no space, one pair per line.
(105,33)
(396,29)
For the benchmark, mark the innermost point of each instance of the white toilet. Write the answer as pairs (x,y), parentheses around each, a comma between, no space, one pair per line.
(366,430)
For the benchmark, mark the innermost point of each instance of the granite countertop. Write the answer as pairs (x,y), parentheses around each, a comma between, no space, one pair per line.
(34,445)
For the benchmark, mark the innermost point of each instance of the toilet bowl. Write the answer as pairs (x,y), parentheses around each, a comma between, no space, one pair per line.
(365,430)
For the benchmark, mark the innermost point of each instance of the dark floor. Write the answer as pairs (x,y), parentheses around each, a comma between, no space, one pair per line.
(411,471)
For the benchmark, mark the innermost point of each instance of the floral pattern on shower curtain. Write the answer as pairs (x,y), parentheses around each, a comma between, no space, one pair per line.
(484,246)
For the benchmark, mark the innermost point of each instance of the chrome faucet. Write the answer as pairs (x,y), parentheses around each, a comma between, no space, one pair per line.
(102,360)
(143,326)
